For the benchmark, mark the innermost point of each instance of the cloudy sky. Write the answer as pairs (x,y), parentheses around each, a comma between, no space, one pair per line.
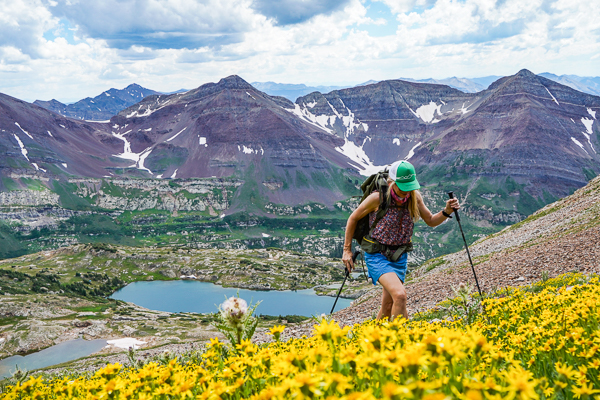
(71,49)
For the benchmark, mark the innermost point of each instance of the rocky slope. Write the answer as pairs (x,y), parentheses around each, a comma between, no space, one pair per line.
(101,107)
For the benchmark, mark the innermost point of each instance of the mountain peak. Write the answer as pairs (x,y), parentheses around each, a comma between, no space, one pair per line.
(526,73)
(234,82)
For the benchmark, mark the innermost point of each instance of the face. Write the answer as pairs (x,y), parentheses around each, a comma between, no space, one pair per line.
(398,191)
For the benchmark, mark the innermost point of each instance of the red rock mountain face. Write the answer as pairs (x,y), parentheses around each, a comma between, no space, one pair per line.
(531,128)
(230,128)
(33,138)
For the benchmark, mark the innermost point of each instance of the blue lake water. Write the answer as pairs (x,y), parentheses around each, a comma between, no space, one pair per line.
(60,353)
(204,297)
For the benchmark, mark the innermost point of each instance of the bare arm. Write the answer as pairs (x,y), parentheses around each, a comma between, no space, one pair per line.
(436,219)
(370,204)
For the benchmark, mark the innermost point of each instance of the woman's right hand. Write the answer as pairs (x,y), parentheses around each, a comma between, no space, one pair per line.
(347,259)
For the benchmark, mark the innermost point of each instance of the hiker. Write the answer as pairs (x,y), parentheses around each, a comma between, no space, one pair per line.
(390,238)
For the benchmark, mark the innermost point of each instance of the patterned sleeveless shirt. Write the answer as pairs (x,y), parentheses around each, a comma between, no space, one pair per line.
(395,228)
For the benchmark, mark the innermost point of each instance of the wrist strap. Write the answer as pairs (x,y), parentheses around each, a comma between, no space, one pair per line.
(446,214)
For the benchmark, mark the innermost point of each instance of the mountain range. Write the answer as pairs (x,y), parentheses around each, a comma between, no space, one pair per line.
(291,91)
(584,84)
(542,133)
(101,107)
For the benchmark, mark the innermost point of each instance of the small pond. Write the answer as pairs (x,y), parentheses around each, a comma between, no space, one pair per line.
(204,297)
(57,354)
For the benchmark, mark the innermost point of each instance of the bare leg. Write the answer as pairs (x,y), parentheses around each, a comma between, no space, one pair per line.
(386,306)
(392,285)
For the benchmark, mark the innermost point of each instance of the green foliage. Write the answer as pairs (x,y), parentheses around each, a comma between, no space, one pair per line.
(291,319)
(68,197)
(10,243)
(301,180)
(527,204)
(90,285)
(431,264)
(321,179)
(589,173)
(510,185)
(33,184)
(103,247)
(9,184)
(95,224)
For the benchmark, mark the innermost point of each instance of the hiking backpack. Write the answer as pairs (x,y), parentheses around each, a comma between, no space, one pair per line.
(376,182)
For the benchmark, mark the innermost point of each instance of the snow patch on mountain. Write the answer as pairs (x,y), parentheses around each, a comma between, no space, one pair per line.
(553,98)
(465,110)
(358,156)
(249,150)
(148,111)
(143,155)
(177,134)
(578,143)
(38,168)
(588,123)
(411,152)
(202,141)
(22,146)
(320,121)
(137,158)
(50,133)
(326,121)
(592,113)
(24,131)
(427,112)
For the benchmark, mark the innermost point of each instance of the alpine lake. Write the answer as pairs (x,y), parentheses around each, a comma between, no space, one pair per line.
(180,296)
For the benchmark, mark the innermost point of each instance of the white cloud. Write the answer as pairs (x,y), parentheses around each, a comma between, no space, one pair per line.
(171,44)
(159,23)
(22,25)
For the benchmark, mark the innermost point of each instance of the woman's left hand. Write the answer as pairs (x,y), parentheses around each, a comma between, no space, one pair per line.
(452,205)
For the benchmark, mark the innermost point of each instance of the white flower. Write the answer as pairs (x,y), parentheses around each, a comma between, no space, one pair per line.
(234,308)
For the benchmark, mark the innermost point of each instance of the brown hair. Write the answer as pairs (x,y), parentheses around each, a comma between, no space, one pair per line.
(413,202)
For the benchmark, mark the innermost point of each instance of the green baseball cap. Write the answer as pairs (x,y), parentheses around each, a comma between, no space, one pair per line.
(403,173)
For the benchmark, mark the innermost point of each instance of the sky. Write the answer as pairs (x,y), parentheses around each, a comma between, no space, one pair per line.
(72,49)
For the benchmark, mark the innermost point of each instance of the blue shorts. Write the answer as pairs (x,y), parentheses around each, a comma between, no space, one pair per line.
(378,264)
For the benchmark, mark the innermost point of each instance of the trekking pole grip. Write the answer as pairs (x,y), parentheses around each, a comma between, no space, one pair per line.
(451,195)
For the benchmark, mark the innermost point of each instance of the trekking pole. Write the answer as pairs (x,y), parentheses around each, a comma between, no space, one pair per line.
(451,195)
(354,255)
